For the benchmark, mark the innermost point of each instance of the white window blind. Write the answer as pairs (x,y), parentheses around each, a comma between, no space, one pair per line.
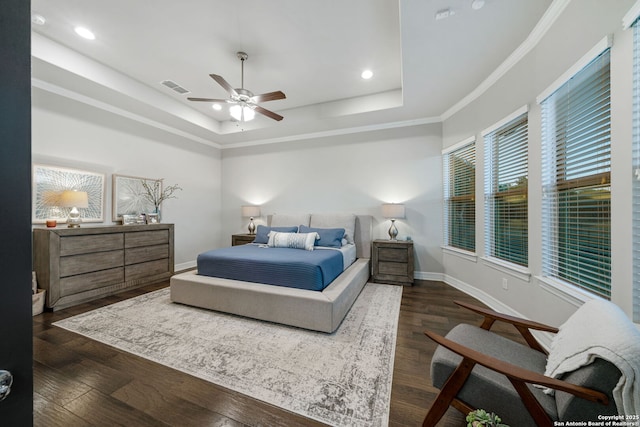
(459,167)
(576,163)
(636,166)
(505,191)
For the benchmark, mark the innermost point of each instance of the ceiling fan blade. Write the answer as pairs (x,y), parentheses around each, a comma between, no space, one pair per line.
(271,96)
(222,82)
(268,113)
(207,99)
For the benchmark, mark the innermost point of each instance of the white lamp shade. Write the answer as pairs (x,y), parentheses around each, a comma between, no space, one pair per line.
(393,210)
(242,113)
(250,211)
(74,199)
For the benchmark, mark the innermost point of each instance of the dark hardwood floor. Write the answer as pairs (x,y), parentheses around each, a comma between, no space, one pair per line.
(80,382)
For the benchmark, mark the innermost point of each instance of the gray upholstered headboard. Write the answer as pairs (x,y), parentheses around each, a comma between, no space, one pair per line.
(361,236)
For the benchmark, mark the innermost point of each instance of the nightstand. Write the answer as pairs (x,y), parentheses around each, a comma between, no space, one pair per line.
(242,239)
(392,262)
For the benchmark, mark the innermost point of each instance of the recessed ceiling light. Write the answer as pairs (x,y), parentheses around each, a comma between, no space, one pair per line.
(38,19)
(217,107)
(444,13)
(477,4)
(85,33)
(366,74)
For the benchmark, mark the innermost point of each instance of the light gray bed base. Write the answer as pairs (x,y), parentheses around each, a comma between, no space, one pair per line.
(318,311)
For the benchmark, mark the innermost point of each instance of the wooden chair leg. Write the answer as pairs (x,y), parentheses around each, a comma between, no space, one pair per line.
(531,403)
(448,392)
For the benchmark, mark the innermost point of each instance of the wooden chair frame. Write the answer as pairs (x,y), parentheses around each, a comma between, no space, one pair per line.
(519,377)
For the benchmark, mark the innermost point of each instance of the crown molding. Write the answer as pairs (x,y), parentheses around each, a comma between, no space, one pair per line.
(550,16)
(337,132)
(51,88)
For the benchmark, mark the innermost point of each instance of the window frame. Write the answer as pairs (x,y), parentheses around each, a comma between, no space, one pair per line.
(461,147)
(554,187)
(492,168)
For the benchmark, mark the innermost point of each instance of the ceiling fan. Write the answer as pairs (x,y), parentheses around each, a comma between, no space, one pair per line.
(245,102)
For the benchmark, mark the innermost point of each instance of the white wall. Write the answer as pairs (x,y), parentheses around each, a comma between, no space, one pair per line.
(350,174)
(577,30)
(71,134)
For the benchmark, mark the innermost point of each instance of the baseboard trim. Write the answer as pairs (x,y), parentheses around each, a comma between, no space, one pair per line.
(427,275)
(185,266)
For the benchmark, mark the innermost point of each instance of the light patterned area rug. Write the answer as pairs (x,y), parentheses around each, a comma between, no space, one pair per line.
(342,379)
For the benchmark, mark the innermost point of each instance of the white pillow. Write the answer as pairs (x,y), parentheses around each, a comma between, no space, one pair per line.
(292,240)
(279,220)
(346,221)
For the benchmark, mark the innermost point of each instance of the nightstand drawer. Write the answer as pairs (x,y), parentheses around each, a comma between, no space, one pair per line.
(393,254)
(242,239)
(393,268)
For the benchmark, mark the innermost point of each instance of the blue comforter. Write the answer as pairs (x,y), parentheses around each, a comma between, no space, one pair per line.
(294,268)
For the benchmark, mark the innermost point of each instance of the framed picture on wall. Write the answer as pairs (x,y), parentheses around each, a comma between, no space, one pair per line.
(130,196)
(49,184)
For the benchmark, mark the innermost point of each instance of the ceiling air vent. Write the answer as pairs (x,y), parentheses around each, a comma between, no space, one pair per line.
(174,86)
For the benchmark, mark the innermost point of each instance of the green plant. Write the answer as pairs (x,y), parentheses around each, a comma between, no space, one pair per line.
(480,417)
(155,195)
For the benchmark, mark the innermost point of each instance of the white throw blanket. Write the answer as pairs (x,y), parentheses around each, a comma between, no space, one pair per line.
(600,329)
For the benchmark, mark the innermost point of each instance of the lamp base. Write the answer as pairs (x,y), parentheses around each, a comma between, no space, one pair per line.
(393,231)
(252,227)
(74,220)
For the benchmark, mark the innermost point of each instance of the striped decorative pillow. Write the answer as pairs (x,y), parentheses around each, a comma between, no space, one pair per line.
(292,240)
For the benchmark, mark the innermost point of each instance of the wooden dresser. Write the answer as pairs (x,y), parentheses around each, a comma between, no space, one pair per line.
(392,262)
(76,265)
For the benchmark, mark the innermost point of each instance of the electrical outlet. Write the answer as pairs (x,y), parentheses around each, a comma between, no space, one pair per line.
(505,285)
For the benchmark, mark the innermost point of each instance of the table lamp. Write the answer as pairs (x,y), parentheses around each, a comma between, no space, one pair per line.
(251,212)
(74,199)
(393,211)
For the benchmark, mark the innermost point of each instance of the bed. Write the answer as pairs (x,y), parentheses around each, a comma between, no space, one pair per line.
(310,309)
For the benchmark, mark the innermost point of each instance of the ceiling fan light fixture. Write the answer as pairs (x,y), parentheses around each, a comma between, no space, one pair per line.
(245,102)
(242,113)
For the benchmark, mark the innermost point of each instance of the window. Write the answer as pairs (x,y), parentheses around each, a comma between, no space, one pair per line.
(459,196)
(636,166)
(505,190)
(576,193)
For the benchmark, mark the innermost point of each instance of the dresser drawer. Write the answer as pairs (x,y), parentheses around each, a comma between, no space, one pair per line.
(146,238)
(79,264)
(145,269)
(72,245)
(393,254)
(89,281)
(146,253)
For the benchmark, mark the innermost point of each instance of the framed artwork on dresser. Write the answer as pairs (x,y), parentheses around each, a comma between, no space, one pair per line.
(49,184)
(130,196)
